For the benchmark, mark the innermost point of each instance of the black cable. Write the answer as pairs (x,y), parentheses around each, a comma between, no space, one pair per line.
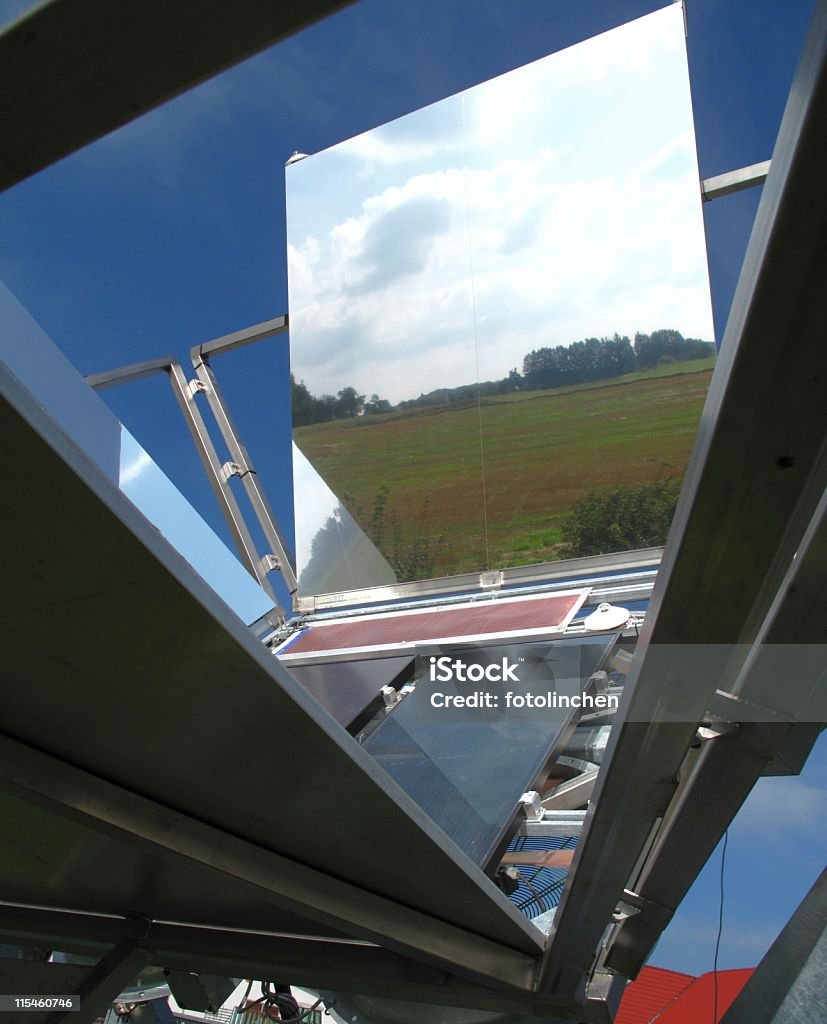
(720,930)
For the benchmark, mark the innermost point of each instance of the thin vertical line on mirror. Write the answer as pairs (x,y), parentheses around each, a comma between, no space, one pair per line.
(476,344)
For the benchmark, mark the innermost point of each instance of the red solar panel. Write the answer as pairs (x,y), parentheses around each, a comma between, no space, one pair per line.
(518,618)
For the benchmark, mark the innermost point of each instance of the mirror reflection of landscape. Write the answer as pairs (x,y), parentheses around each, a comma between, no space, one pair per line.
(500,316)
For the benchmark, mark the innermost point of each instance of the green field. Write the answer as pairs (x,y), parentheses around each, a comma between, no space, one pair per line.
(542,450)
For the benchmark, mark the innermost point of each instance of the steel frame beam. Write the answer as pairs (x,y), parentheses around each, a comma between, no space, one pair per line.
(792,646)
(642,561)
(72,72)
(763,431)
(788,985)
(344,965)
(31,774)
(109,977)
(241,464)
(184,396)
(734,181)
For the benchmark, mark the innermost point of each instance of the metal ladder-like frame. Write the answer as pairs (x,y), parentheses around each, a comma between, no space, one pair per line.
(240,465)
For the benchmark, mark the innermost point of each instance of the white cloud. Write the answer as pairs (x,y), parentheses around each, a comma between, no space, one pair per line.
(571,217)
(798,807)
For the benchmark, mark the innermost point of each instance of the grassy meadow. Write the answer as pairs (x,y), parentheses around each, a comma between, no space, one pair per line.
(541,451)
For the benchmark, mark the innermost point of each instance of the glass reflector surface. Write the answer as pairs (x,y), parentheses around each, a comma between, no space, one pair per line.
(500,311)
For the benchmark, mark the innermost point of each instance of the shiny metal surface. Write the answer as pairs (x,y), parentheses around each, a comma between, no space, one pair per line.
(242,463)
(439,251)
(32,357)
(790,982)
(601,572)
(239,531)
(85,743)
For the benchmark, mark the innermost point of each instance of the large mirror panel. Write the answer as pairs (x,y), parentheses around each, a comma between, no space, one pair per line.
(381,311)
(593,313)
(500,311)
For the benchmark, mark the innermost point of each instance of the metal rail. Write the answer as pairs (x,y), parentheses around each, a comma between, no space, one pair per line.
(241,465)
(258,566)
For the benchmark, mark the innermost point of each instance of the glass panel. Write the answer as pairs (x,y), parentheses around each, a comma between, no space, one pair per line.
(332,552)
(381,311)
(587,228)
(468,286)
(468,766)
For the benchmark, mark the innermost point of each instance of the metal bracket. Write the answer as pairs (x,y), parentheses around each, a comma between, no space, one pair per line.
(554,824)
(270,562)
(734,181)
(713,731)
(631,904)
(196,386)
(532,805)
(732,708)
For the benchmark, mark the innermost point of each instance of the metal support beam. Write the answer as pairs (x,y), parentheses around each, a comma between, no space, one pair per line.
(287,883)
(71,72)
(243,464)
(791,646)
(790,983)
(342,964)
(763,432)
(121,965)
(242,538)
(573,793)
(555,824)
(246,336)
(734,181)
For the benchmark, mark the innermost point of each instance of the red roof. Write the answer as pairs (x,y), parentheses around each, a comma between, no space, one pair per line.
(669,997)
(653,989)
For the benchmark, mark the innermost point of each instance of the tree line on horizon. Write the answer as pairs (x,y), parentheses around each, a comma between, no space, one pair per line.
(544,368)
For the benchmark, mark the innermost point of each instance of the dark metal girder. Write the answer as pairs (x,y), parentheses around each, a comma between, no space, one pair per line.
(74,70)
(356,967)
(109,977)
(284,882)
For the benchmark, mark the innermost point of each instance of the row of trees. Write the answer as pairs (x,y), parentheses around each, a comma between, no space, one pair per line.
(603,358)
(584,361)
(309,409)
(579,363)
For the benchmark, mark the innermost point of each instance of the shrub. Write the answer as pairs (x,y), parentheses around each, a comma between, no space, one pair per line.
(620,519)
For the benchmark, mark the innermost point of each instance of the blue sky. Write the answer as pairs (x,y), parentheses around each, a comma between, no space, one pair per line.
(172,231)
